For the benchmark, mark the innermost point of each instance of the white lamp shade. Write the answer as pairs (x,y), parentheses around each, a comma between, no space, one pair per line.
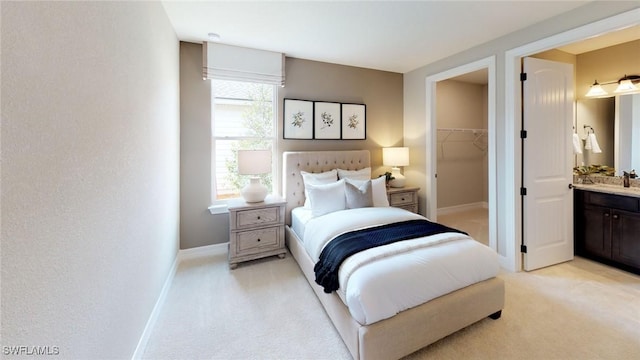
(395,156)
(253,162)
(596,90)
(625,86)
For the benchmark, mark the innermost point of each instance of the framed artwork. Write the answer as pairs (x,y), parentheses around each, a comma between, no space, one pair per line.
(326,120)
(298,119)
(354,121)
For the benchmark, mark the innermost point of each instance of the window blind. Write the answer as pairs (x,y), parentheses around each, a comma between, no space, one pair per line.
(227,62)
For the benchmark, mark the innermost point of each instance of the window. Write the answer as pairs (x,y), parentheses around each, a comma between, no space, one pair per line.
(242,119)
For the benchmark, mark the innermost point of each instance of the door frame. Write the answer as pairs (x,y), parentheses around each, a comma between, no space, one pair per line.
(513,104)
(488,63)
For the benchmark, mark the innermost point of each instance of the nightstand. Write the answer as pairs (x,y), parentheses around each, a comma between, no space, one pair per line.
(405,198)
(256,230)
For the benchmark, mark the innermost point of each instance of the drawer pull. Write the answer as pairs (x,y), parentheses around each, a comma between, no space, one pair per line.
(258,239)
(258,217)
(402,199)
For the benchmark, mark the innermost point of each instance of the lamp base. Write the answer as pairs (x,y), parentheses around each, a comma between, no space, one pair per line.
(254,191)
(399,179)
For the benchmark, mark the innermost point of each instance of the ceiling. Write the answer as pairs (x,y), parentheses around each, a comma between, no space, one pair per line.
(397,36)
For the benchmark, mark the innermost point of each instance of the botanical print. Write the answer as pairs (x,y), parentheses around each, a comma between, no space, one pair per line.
(354,121)
(298,119)
(327,120)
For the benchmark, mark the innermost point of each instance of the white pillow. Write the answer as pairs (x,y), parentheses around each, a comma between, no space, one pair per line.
(378,189)
(316,179)
(327,198)
(362,174)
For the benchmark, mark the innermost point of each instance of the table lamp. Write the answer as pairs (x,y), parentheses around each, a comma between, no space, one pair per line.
(254,162)
(396,157)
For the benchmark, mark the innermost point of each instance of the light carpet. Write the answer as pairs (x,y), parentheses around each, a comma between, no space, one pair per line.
(265,309)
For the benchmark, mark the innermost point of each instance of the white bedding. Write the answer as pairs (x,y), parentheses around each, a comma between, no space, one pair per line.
(378,283)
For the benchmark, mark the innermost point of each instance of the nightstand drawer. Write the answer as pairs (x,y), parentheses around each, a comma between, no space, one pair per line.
(257,240)
(403,198)
(251,218)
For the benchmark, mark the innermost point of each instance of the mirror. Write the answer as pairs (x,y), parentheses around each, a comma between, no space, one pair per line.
(615,121)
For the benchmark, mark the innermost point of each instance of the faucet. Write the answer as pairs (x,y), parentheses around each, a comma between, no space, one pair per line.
(625,179)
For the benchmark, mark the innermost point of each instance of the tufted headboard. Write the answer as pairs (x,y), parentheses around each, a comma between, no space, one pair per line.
(315,162)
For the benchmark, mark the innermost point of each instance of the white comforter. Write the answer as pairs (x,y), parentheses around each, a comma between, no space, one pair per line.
(378,283)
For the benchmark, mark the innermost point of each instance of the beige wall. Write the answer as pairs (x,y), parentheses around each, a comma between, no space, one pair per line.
(604,65)
(380,91)
(197,226)
(415,98)
(462,174)
(89,173)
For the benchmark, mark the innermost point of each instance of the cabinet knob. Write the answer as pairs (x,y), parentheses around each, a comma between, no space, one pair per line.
(258,239)
(402,199)
(615,216)
(606,214)
(258,217)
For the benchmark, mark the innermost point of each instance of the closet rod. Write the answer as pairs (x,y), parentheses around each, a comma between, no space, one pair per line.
(462,130)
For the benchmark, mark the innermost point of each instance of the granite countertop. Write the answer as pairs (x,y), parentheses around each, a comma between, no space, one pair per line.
(610,189)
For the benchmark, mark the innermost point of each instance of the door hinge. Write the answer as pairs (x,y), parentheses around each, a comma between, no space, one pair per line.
(523,191)
(523,134)
(523,249)
(523,76)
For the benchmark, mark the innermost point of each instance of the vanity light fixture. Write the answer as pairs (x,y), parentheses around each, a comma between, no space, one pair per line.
(625,86)
(596,90)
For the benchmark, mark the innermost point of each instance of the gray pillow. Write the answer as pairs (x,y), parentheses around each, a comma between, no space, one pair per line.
(358,197)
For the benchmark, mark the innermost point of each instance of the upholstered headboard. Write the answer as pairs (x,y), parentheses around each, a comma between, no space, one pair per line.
(315,162)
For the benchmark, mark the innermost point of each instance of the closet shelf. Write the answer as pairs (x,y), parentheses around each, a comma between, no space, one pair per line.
(484,131)
(478,134)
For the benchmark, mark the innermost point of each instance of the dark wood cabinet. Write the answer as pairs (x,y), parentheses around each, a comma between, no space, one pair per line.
(607,228)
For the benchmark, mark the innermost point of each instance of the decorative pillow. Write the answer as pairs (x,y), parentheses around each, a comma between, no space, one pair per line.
(316,179)
(327,198)
(362,174)
(358,196)
(378,191)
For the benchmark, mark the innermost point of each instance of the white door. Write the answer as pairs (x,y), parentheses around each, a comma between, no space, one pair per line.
(547,163)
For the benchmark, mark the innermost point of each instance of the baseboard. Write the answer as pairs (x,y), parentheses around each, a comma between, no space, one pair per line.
(201,251)
(144,339)
(463,207)
(185,254)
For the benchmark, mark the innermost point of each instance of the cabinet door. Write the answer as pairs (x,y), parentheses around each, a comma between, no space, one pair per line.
(597,231)
(626,237)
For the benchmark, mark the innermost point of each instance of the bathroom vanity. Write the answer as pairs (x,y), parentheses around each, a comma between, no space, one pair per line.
(607,225)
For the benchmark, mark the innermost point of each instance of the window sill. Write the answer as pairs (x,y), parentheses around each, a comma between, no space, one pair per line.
(218,209)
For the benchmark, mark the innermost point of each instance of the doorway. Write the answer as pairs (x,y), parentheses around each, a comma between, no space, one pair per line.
(462,144)
(484,69)
(513,105)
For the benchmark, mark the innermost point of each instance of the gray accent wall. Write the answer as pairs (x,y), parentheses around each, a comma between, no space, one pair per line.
(380,91)
(90,171)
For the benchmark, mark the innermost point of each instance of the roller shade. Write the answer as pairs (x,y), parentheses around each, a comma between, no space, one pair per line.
(227,62)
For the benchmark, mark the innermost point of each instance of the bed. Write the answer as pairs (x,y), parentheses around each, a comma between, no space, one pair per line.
(387,333)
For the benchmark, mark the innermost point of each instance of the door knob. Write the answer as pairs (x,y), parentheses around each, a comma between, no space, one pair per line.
(570,186)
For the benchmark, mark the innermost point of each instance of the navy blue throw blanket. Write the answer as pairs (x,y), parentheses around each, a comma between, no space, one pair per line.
(345,245)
